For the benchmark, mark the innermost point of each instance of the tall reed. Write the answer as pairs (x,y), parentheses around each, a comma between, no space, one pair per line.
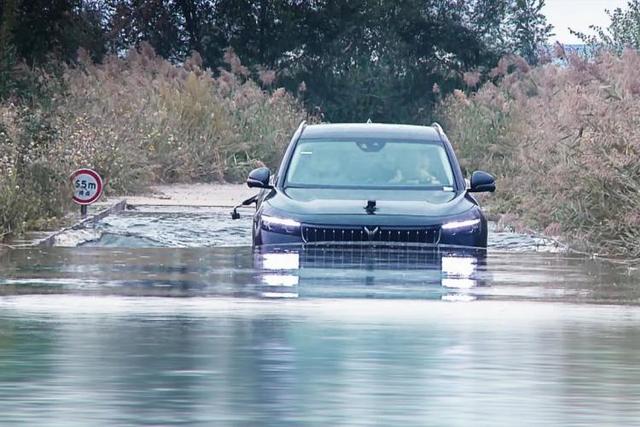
(564,141)
(137,120)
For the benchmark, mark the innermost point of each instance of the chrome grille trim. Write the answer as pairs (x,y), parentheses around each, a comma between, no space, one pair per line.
(427,235)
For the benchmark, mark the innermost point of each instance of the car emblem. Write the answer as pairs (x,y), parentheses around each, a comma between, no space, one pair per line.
(371,233)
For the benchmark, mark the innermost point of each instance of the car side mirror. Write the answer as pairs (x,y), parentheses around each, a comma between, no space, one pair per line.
(259,178)
(482,182)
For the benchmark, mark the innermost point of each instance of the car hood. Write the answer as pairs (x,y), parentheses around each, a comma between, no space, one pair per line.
(311,202)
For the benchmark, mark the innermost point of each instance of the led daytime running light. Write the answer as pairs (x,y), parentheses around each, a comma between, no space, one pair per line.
(454,225)
(270,221)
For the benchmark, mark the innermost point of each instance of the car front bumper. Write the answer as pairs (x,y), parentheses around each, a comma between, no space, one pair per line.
(406,236)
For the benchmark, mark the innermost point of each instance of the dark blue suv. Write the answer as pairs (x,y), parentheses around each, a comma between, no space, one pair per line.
(369,184)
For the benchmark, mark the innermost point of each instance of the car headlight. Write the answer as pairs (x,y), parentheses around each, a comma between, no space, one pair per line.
(461,225)
(280,225)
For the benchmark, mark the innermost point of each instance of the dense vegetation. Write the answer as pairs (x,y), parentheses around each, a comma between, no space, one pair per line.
(116,85)
(358,59)
(152,90)
(622,32)
(564,141)
(563,137)
(136,119)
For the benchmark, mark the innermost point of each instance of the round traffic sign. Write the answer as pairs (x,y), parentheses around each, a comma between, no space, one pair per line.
(87,186)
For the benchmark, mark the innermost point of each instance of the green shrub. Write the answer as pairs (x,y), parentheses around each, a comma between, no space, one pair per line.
(32,186)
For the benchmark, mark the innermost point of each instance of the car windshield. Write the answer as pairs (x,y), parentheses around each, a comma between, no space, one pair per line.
(370,163)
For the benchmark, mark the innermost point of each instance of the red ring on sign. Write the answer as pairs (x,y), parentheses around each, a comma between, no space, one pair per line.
(95,176)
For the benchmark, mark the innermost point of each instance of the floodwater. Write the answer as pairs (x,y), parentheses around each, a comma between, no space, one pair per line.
(170,318)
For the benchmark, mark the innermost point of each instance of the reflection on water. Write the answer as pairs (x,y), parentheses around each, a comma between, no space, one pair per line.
(74,360)
(314,273)
(271,272)
(320,336)
(369,272)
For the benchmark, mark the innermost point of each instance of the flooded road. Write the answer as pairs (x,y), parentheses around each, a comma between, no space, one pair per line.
(171,319)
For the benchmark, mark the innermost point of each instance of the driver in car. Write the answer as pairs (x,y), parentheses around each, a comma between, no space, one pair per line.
(415,171)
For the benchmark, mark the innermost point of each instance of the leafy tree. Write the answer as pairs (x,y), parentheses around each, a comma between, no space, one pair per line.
(359,59)
(8,12)
(622,32)
(7,51)
(42,29)
(262,31)
(36,35)
(530,31)
(370,59)
(157,22)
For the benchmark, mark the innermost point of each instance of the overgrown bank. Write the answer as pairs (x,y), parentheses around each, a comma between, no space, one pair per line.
(136,120)
(563,138)
(564,142)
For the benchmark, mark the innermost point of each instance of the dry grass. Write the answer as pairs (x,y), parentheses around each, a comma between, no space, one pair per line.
(142,116)
(564,141)
(138,120)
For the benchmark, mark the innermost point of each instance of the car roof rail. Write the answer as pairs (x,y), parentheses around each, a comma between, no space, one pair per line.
(300,129)
(438,128)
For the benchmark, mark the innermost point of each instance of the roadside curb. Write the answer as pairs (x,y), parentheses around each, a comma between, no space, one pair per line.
(90,219)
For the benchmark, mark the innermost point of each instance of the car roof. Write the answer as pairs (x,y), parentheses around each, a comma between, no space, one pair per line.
(370,130)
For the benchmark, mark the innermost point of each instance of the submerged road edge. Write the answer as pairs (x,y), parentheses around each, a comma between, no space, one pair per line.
(49,240)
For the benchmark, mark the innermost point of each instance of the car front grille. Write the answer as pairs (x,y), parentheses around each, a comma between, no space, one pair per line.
(370,234)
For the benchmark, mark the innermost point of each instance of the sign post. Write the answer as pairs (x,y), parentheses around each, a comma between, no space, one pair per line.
(87,188)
